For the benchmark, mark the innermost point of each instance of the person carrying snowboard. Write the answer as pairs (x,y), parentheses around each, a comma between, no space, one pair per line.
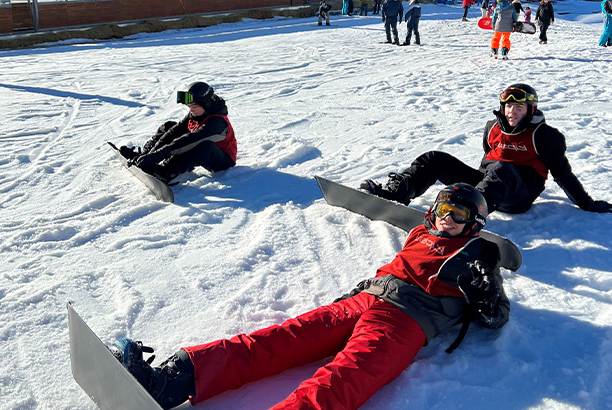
(502,21)
(545,16)
(520,150)
(412,17)
(324,9)
(204,137)
(606,9)
(391,10)
(444,274)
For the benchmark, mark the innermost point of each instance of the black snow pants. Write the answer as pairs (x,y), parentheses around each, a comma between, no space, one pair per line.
(500,184)
(391,26)
(413,26)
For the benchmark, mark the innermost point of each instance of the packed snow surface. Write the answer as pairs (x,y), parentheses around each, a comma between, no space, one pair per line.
(255,245)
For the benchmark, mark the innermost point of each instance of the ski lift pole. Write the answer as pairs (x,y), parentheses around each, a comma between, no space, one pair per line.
(183,5)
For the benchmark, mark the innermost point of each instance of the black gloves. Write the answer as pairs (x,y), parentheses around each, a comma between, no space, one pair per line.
(129,153)
(601,207)
(482,291)
(148,160)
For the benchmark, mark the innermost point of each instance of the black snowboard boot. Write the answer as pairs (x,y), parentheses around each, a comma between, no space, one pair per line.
(130,152)
(170,384)
(375,188)
(504,53)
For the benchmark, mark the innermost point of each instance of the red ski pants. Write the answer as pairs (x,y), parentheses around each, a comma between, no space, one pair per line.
(371,340)
(503,38)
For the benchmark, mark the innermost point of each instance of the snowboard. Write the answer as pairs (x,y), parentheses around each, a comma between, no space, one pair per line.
(161,190)
(402,216)
(100,374)
(524,27)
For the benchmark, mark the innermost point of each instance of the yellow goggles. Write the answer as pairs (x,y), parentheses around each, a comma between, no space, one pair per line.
(459,213)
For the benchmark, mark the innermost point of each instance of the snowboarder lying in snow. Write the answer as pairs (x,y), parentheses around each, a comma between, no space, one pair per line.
(203,138)
(444,273)
(520,150)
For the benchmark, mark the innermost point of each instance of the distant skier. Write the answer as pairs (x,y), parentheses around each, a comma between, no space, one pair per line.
(203,138)
(483,8)
(502,21)
(324,9)
(444,273)
(545,16)
(527,14)
(606,9)
(363,10)
(520,151)
(466,6)
(412,18)
(376,9)
(391,11)
(518,7)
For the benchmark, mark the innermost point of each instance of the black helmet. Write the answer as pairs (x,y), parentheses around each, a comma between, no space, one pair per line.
(199,93)
(520,92)
(470,198)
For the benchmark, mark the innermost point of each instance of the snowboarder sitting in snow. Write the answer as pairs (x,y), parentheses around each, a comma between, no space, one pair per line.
(391,10)
(324,9)
(502,21)
(520,150)
(203,138)
(412,17)
(444,273)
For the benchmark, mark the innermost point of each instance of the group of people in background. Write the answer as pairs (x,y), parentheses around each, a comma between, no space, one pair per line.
(502,12)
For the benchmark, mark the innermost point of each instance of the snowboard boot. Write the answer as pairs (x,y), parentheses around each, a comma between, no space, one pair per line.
(375,188)
(504,53)
(494,52)
(398,188)
(170,384)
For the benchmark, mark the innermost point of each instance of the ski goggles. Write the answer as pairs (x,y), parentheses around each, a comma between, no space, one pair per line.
(459,213)
(183,97)
(516,94)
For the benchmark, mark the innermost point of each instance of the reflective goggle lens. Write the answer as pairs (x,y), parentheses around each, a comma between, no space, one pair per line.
(459,213)
(183,97)
(515,94)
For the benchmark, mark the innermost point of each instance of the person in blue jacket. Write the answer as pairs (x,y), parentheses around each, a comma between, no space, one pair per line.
(412,17)
(391,10)
(606,10)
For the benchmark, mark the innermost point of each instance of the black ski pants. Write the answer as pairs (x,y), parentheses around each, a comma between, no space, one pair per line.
(543,29)
(413,27)
(500,184)
(391,25)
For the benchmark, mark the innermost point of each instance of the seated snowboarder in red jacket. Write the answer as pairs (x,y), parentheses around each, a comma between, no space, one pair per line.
(444,274)
(520,151)
(205,138)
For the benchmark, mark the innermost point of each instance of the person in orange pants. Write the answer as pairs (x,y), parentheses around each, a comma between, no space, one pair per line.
(503,19)
(445,274)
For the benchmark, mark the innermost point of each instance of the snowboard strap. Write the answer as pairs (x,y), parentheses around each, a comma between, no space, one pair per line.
(465,320)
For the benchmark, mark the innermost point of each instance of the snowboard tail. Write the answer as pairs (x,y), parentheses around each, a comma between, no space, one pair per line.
(100,374)
(402,216)
(161,190)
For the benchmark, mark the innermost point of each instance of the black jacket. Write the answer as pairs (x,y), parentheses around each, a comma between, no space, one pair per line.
(550,145)
(393,8)
(413,14)
(545,13)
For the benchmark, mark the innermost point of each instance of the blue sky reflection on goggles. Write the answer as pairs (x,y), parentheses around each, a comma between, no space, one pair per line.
(459,213)
(183,97)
